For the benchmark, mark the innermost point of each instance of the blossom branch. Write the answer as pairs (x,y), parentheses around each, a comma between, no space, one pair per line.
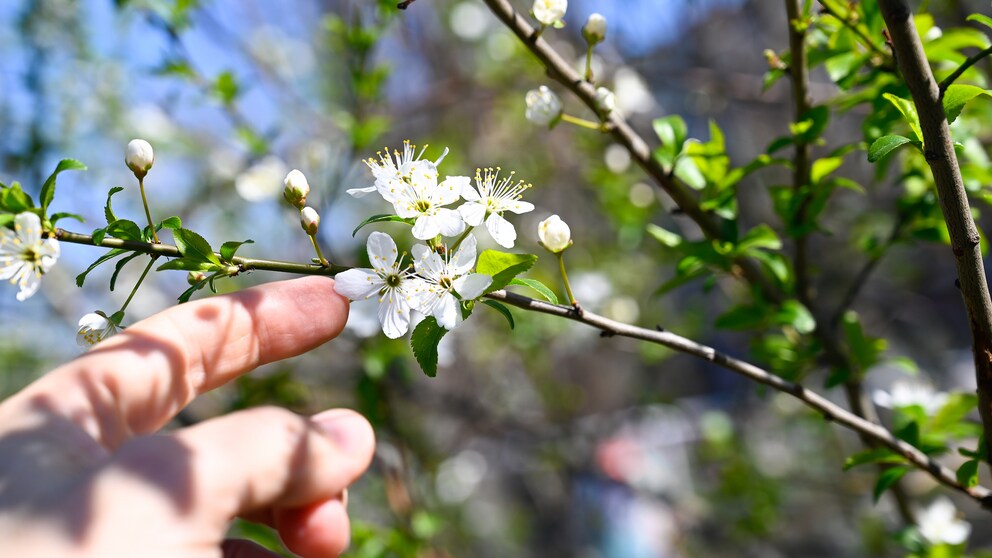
(939,153)
(811,399)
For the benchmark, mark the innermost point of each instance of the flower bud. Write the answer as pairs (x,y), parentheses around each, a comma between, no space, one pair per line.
(139,157)
(554,234)
(93,328)
(549,12)
(606,101)
(594,31)
(296,189)
(543,106)
(195,277)
(309,220)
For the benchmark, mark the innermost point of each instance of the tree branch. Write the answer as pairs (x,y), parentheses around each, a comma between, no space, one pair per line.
(799,72)
(813,400)
(946,82)
(939,152)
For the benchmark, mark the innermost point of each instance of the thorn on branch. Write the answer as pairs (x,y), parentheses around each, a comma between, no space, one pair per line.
(607,333)
(576,310)
(405,4)
(659,328)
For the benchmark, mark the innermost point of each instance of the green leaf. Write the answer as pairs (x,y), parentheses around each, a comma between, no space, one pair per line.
(104,258)
(664,236)
(538,286)
(793,313)
(124,230)
(15,200)
(908,110)
(865,350)
(812,124)
(189,264)
(226,87)
(957,96)
(184,297)
(503,267)
(228,249)
(885,145)
(967,473)
(424,341)
(502,310)
(120,265)
(6,219)
(879,455)
(382,217)
(742,318)
(172,223)
(108,210)
(758,238)
(48,190)
(823,167)
(887,479)
(981,18)
(194,246)
(56,217)
(672,132)
(953,412)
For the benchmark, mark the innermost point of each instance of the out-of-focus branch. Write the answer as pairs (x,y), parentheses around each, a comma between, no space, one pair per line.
(938,150)
(946,82)
(813,400)
(799,72)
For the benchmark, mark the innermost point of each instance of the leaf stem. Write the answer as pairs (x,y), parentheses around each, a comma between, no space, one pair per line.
(564,276)
(138,284)
(582,122)
(148,214)
(589,64)
(458,242)
(316,247)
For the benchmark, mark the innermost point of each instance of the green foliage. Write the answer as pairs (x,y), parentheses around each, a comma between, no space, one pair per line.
(382,218)
(957,96)
(885,145)
(503,267)
(887,479)
(424,342)
(503,310)
(538,286)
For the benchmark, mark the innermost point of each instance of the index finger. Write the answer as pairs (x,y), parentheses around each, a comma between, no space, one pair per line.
(137,381)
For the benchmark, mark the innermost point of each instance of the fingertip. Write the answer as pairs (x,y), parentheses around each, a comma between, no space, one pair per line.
(318,530)
(351,433)
(318,293)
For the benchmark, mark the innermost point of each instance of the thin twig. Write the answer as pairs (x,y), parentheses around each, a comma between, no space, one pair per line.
(813,400)
(946,82)
(846,22)
(799,72)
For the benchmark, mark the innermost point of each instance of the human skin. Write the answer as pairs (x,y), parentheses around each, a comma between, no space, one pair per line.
(85,472)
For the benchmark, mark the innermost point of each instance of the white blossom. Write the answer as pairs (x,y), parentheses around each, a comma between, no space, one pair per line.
(139,157)
(549,12)
(594,31)
(398,289)
(309,220)
(24,255)
(909,393)
(939,523)
(554,234)
(296,188)
(445,276)
(606,101)
(261,180)
(489,199)
(543,106)
(420,197)
(94,328)
(390,169)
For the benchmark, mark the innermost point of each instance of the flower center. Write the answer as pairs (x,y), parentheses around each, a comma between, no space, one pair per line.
(29,255)
(445,283)
(393,280)
(423,205)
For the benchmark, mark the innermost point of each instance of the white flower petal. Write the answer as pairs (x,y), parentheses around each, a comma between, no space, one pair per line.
(27,227)
(382,252)
(472,286)
(501,230)
(29,285)
(450,222)
(394,315)
(470,193)
(358,284)
(519,207)
(419,252)
(446,312)
(361,192)
(451,189)
(426,227)
(473,213)
(957,532)
(464,259)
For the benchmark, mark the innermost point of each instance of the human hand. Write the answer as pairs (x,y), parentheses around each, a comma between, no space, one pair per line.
(82,472)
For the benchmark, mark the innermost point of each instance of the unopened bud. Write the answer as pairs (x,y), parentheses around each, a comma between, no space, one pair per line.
(195,277)
(543,106)
(606,101)
(549,12)
(554,234)
(139,157)
(296,189)
(594,31)
(309,220)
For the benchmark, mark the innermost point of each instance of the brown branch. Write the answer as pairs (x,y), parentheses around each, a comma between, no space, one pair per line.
(847,22)
(939,153)
(799,72)
(830,411)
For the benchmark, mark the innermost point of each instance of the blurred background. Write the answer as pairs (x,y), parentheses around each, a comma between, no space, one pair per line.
(547,440)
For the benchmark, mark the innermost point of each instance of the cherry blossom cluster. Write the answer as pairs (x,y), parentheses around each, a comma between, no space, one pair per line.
(438,276)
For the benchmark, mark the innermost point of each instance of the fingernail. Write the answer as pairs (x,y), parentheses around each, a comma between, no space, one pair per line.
(347,429)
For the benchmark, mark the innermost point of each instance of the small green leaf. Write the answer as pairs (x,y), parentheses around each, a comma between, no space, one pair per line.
(502,310)
(887,479)
(538,286)
(908,110)
(424,342)
(116,317)
(6,219)
(184,297)
(823,167)
(228,249)
(664,236)
(967,473)
(56,217)
(382,217)
(981,18)
(104,258)
(885,145)
(15,200)
(742,318)
(879,455)
(761,237)
(957,96)
(124,230)
(672,132)
(48,190)
(120,265)
(793,313)
(193,246)
(503,267)
(226,87)
(189,264)
(172,223)
(812,124)
(108,210)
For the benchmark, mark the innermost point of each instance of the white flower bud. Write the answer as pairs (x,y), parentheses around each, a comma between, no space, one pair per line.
(554,234)
(139,157)
(543,106)
(296,189)
(594,31)
(606,101)
(94,328)
(549,12)
(195,277)
(309,220)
